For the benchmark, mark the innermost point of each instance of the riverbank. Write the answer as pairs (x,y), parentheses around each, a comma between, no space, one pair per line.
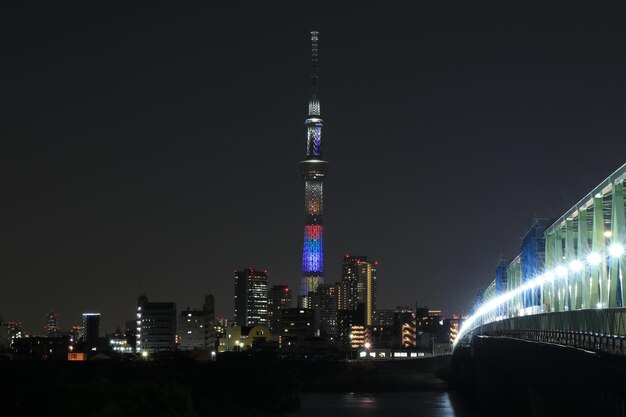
(373,376)
(235,385)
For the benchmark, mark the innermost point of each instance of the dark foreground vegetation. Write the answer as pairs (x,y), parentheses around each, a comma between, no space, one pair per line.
(234,385)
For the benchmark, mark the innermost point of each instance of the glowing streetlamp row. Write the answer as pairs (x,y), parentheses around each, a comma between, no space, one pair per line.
(615,250)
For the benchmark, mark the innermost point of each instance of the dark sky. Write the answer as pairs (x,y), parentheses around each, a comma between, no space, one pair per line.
(156,148)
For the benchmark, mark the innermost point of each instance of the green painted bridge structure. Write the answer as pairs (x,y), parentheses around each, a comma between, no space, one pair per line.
(566,286)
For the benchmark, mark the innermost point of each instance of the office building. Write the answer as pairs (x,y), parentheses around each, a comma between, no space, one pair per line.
(297,325)
(195,327)
(52,328)
(328,307)
(41,348)
(279,297)
(156,326)
(251,303)
(91,330)
(10,330)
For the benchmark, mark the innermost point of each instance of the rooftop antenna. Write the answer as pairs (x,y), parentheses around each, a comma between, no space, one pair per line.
(314,74)
(314,103)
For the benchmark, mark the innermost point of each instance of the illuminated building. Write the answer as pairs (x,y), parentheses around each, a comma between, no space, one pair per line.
(358,286)
(297,325)
(220,325)
(130,332)
(358,336)
(240,338)
(251,304)
(349,322)
(11,330)
(279,298)
(156,326)
(43,348)
(76,334)
(453,325)
(313,170)
(195,327)
(328,308)
(51,328)
(91,330)
(76,356)
(394,328)
(120,344)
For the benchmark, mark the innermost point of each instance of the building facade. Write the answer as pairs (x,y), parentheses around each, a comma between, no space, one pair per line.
(91,330)
(156,326)
(195,327)
(279,297)
(358,286)
(251,298)
(52,328)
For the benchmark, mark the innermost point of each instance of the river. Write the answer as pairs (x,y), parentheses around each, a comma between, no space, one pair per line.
(414,404)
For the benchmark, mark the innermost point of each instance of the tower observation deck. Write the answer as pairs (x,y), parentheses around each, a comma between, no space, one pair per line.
(313,170)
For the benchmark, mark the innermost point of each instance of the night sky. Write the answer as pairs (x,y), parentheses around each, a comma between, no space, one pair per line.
(156,149)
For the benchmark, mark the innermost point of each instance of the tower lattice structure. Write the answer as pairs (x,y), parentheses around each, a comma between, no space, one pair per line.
(313,170)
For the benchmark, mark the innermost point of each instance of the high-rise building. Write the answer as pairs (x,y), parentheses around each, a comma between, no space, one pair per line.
(52,328)
(328,307)
(156,326)
(251,304)
(313,170)
(91,329)
(279,298)
(358,286)
(195,327)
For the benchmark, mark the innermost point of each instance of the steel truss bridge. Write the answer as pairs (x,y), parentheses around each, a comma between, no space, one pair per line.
(566,284)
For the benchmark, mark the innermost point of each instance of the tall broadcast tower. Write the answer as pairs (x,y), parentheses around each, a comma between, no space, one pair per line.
(313,170)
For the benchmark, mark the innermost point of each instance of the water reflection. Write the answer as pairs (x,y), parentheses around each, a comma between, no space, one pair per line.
(415,404)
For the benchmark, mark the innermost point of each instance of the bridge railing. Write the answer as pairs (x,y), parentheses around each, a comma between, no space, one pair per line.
(598,330)
(615,345)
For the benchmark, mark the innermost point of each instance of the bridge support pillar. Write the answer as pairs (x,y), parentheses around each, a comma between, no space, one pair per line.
(583,299)
(598,272)
(617,236)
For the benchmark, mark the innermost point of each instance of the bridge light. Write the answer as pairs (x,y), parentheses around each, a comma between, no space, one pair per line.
(616,250)
(549,276)
(594,258)
(576,265)
(599,305)
(561,271)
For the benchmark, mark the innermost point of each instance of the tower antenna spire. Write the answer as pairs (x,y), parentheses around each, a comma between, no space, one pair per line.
(314,74)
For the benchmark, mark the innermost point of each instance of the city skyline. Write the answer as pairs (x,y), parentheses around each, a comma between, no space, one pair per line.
(157,159)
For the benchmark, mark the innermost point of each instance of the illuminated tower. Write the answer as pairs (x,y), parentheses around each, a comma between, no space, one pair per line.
(313,170)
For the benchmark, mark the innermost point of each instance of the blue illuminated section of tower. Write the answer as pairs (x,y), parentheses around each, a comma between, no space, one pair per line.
(313,170)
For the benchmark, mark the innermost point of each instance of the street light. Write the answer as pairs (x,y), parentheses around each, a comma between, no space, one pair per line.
(616,250)
(594,258)
(576,265)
